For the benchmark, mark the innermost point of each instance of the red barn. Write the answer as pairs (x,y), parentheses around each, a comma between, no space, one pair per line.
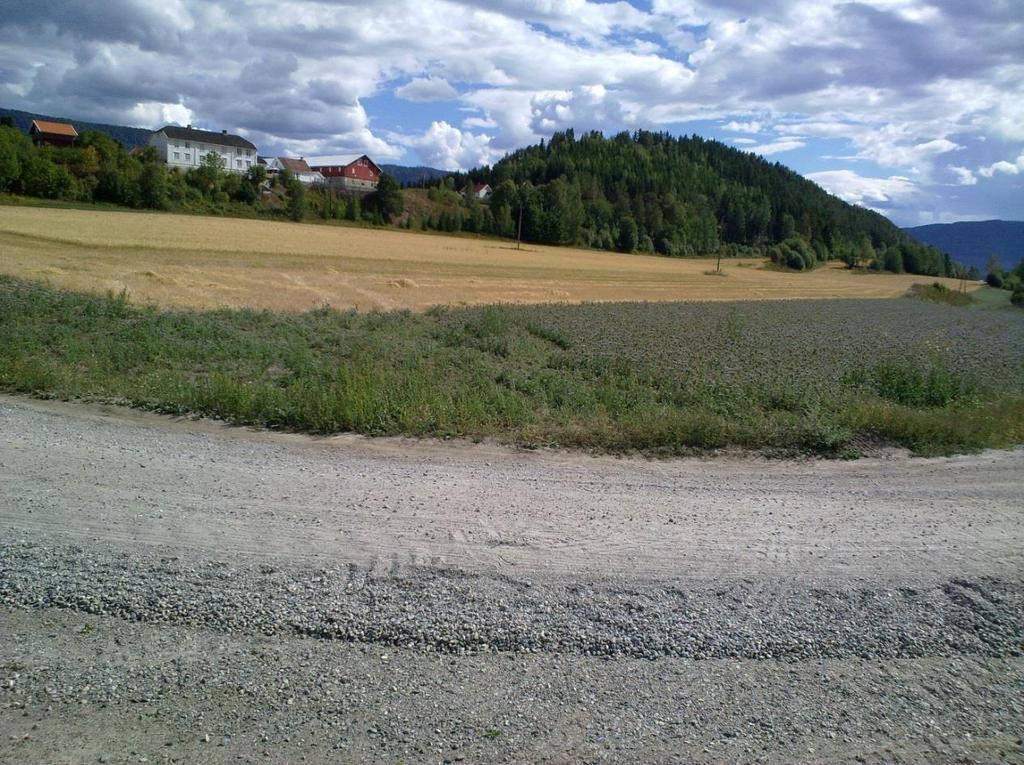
(53,133)
(351,174)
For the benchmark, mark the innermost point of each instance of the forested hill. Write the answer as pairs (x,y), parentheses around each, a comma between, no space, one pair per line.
(672,195)
(974,242)
(129,137)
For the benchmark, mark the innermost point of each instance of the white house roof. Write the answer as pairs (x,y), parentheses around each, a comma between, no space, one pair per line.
(339,160)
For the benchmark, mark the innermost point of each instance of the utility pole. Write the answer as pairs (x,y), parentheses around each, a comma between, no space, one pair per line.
(519,235)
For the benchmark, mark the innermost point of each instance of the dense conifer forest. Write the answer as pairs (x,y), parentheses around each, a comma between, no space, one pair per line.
(681,196)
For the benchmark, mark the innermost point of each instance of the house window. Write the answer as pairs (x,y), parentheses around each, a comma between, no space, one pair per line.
(238,152)
(187,145)
(248,163)
(188,157)
(248,153)
(177,155)
(238,163)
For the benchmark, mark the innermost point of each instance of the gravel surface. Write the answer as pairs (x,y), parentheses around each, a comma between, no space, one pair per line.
(179,591)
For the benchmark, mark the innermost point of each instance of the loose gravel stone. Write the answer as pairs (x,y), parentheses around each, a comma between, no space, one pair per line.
(187,594)
(453,612)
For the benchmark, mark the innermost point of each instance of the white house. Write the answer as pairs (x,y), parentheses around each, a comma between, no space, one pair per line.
(481,191)
(297,167)
(185,147)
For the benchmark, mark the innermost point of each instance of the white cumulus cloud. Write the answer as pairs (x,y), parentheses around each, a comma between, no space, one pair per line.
(860,190)
(743,127)
(449,148)
(777,147)
(964,175)
(1006,168)
(427,89)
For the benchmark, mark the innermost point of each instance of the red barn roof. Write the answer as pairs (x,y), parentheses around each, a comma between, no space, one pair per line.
(362,168)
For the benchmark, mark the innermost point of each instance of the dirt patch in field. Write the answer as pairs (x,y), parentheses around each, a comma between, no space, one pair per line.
(204,262)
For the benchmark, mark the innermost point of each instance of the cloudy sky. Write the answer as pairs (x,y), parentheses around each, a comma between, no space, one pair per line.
(912,107)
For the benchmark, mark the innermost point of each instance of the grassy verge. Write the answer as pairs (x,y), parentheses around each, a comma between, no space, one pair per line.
(992,299)
(940,293)
(528,375)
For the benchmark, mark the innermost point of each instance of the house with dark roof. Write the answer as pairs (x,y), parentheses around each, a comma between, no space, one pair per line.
(53,133)
(354,174)
(185,147)
(297,167)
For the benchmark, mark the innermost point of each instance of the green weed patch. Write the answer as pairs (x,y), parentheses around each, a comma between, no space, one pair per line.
(783,377)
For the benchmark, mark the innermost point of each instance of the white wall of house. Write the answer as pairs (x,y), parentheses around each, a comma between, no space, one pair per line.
(350,184)
(185,155)
(274,167)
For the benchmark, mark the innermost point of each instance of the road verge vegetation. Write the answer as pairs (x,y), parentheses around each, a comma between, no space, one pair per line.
(784,377)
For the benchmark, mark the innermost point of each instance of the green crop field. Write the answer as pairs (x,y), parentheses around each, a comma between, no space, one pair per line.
(811,376)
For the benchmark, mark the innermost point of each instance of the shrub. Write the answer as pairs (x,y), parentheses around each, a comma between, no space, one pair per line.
(937,292)
(909,385)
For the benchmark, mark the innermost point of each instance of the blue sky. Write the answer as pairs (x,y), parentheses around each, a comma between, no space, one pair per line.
(914,108)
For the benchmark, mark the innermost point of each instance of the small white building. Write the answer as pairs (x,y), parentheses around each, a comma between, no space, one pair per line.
(185,147)
(297,167)
(481,191)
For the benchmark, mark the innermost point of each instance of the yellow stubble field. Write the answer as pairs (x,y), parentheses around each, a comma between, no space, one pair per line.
(208,262)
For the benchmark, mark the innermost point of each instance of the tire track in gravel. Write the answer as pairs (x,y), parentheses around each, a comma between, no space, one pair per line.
(174,589)
(96,474)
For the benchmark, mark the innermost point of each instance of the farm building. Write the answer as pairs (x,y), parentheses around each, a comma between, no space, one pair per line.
(185,147)
(297,167)
(352,174)
(53,133)
(478,190)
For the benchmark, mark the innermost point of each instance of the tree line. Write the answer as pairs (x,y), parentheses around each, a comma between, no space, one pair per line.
(1011,280)
(680,196)
(99,169)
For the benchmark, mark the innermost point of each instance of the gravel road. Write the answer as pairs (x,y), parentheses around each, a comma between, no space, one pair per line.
(181,591)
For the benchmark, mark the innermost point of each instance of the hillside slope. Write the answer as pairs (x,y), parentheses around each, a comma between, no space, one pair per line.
(973,242)
(654,192)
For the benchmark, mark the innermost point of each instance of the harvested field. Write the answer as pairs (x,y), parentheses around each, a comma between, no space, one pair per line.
(205,262)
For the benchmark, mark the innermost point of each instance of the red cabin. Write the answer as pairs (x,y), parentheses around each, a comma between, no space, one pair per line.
(53,133)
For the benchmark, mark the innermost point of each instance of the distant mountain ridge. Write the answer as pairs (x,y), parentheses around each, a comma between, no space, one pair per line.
(130,137)
(973,242)
(412,175)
